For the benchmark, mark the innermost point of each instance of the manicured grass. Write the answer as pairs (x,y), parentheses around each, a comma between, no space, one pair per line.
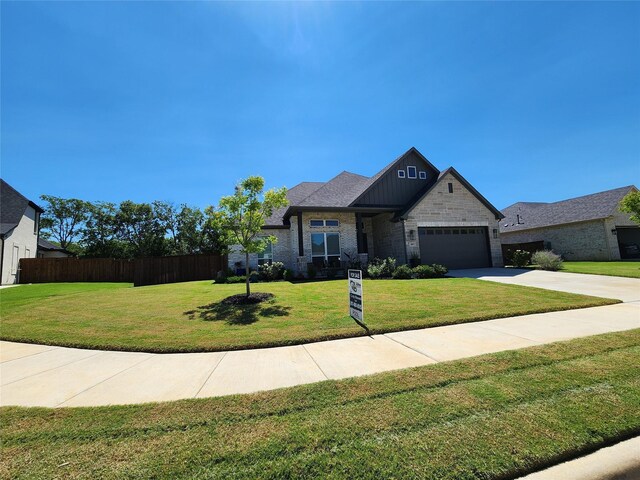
(495,416)
(615,269)
(189,317)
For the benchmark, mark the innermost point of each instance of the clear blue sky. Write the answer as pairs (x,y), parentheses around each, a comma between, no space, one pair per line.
(178,101)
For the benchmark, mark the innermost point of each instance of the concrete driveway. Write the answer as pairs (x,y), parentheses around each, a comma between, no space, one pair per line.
(621,288)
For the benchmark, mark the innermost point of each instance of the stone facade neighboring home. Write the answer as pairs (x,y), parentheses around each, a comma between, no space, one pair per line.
(19,229)
(46,249)
(409,210)
(584,228)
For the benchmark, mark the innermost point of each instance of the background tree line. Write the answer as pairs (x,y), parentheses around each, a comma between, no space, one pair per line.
(130,230)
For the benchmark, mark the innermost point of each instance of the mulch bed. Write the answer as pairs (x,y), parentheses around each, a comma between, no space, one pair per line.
(252,299)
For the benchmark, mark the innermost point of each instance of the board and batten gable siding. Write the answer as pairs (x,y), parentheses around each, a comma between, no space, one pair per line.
(439,208)
(391,191)
(25,239)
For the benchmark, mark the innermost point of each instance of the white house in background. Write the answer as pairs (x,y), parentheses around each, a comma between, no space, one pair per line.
(19,230)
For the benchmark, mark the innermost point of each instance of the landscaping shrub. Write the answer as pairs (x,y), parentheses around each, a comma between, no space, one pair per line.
(271,272)
(440,270)
(311,271)
(288,275)
(520,258)
(424,271)
(374,270)
(403,272)
(547,260)
(388,267)
(235,279)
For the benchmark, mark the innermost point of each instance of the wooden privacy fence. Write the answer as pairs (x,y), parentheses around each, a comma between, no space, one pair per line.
(181,268)
(531,247)
(45,270)
(142,271)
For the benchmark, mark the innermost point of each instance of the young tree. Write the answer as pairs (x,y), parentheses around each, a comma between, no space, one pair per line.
(631,204)
(63,218)
(242,215)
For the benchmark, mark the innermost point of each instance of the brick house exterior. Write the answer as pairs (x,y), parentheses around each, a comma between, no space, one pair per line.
(410,211)
(588,228)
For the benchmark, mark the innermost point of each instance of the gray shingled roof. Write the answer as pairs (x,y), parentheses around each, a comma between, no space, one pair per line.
(340,191)
(47,245)
(295,195)
(12,207)
(580,209)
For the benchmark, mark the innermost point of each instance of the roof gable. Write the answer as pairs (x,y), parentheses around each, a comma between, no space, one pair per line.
(387,189)
(453,172)
(526,215)
(12,207)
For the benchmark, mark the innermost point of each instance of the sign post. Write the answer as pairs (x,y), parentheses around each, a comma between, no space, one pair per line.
(355,295)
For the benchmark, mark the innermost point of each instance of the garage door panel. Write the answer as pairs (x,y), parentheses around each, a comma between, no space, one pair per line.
(454,247)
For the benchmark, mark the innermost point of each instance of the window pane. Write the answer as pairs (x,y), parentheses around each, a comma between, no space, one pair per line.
(400,173)
(333,244)
(316,223)
(411,172)
(317,244)
(332,223)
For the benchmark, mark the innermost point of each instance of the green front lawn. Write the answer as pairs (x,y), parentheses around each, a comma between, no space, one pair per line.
(615,269)
(495,416)
(188,316)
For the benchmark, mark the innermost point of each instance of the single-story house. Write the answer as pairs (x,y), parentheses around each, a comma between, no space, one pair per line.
(46,249)
(19,230)
(591,227)
(409,210)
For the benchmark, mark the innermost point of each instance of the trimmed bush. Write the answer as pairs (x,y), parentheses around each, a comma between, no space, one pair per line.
(271,272)
(547,260)
(374,270)
(403,272)
(440,270)
(424,271)
(520,258)
(288,275)
(235,279)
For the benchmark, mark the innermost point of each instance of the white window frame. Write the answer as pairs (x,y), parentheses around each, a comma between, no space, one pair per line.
(326,255)
(324,222)
(423,175)
(402,174)
(415,172)
(264,257)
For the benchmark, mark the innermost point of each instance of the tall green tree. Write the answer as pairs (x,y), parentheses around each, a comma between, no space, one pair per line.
(141,228)
(100,233)
(631,204)
(241,216)
(63,218)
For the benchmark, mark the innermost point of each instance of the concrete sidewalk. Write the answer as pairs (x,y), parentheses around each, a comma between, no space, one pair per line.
(618,462)
(621,288)
(40,375)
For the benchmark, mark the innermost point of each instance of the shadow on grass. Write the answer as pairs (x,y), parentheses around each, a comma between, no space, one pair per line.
(237,314)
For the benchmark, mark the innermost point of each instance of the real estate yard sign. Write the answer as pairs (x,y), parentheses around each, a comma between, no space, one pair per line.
(355,295)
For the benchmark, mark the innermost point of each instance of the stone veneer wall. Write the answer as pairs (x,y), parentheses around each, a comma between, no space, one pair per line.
(388,238)
(458,209)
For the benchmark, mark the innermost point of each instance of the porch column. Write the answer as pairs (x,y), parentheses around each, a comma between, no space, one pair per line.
(359,239)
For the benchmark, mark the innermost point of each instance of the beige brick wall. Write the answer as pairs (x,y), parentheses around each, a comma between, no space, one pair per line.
(388,238)
(458,209)
(281,251)
(592,240)
(574,241)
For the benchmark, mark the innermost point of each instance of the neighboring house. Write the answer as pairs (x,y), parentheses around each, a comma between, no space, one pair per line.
(409,210)
(19,227)
(46,249)
(584,228)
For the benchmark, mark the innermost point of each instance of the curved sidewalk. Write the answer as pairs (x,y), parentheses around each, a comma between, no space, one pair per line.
(40,375)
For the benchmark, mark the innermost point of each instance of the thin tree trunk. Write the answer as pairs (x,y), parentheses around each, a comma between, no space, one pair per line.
(247,272)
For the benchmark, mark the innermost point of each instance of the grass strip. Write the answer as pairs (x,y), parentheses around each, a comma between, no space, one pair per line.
(494,416)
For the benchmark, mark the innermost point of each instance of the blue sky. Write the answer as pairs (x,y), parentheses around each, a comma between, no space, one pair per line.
(178,101)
